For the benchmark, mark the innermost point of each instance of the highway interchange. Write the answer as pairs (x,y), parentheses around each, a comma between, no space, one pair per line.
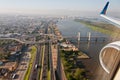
(42,66)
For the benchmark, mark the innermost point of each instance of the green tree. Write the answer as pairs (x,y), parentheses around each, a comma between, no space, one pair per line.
(78,75)
(70,76)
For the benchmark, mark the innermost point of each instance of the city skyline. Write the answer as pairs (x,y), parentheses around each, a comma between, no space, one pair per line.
(55,7)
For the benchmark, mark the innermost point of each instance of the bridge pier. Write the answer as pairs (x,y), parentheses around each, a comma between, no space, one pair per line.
(78,40)
(89,36)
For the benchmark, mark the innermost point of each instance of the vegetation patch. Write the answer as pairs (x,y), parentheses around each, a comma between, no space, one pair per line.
(48,78)
(102,27)
(73,69)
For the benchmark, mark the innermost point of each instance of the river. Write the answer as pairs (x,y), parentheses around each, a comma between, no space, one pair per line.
(92,49)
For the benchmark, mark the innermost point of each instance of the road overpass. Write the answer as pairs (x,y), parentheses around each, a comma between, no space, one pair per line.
(27,42)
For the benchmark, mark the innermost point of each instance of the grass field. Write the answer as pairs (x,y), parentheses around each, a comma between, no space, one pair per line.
(104,28)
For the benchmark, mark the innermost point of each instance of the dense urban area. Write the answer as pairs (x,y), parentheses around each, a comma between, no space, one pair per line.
(33,48)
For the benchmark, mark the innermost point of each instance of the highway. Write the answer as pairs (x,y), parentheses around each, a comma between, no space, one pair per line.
(51,68)
(44,60)
(59,67)
(42,65)
(47,68)
(51,63)
(45,64)
(36,69)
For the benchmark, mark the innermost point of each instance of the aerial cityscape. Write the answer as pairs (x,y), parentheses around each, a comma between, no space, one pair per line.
(54,40)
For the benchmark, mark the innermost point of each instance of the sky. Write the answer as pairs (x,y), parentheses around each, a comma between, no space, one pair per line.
(57,7)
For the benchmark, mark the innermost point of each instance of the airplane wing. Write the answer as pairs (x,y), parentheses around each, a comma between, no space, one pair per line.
(103,14)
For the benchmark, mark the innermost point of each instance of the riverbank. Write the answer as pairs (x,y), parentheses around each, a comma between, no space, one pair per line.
(101,27)
(70,56)
(73,69)
(92,65)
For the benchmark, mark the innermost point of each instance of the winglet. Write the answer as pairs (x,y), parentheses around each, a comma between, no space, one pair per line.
(105,9)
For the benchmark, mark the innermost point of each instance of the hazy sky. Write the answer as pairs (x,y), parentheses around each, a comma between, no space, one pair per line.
(57,6)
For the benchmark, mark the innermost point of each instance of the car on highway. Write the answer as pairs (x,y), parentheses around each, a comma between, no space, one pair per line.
(15,76)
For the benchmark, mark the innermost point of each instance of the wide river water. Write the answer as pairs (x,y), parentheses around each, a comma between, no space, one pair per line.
(92,49)
(70,28)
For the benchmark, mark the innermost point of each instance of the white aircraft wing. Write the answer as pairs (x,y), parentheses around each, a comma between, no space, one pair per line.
(103,14)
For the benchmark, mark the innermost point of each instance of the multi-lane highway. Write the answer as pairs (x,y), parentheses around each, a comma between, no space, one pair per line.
(43,65)
(51,63)
(42,62)
(46,65)
(36,65)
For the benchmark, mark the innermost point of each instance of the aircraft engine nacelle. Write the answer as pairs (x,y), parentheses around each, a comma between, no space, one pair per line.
(110,57)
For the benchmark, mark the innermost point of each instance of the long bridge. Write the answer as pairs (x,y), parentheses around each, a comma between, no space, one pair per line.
(93,38)
(26,42)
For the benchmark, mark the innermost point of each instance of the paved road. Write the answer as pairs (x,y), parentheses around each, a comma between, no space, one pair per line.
(35,71)
(45,64)
(51,63)
(59,68)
